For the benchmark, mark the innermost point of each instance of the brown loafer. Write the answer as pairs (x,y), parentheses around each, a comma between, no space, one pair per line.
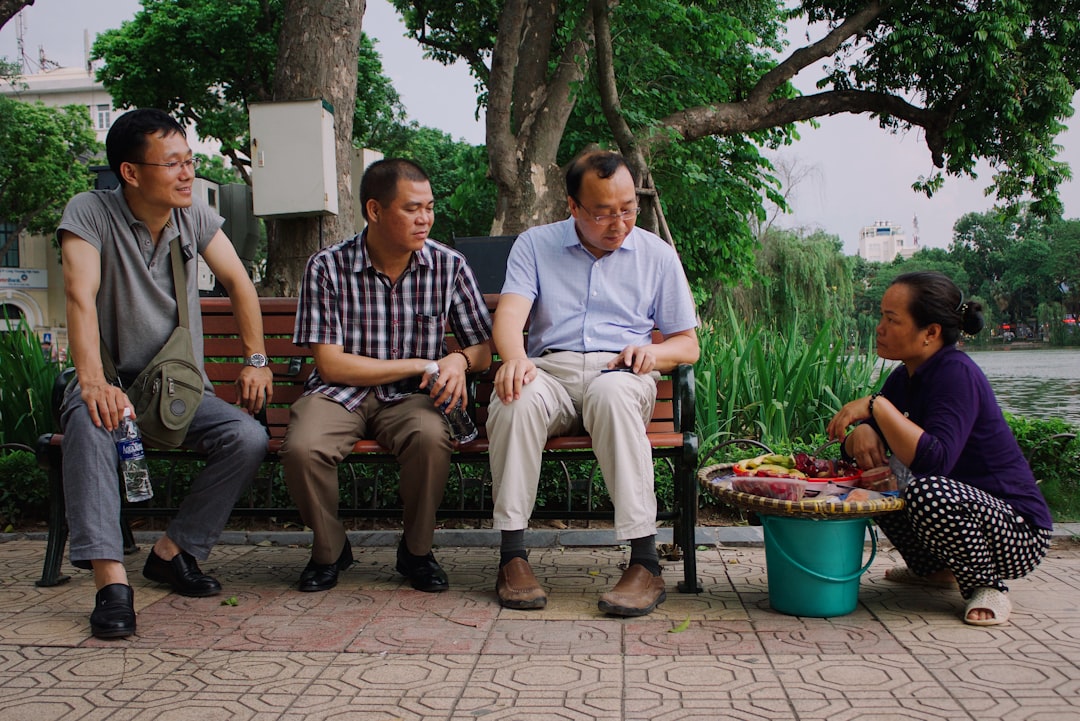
(636,594)
(517,587)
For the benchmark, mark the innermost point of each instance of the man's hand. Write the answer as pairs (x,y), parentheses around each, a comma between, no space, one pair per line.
(106,404)
(638,358)
(255,388)
(511,376)
(452,385)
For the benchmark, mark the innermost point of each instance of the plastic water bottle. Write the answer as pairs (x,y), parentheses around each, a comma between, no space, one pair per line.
(133,469)
(462,428)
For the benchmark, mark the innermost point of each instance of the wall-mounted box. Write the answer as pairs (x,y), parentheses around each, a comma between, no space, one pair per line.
(293,158)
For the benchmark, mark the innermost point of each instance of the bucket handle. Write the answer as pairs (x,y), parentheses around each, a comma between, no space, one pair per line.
(842,579)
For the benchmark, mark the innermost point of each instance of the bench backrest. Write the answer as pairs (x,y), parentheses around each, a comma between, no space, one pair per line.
(292,364)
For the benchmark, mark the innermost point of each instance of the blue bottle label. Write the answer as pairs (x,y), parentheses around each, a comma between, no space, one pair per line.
(130,449)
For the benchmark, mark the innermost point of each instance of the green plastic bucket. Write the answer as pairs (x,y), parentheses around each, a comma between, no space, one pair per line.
(814,565)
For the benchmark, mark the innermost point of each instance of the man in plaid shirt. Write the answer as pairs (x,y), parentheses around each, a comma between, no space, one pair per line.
(374,310)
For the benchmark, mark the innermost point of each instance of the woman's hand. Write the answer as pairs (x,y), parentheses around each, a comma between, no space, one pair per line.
(852,413)
(866,447)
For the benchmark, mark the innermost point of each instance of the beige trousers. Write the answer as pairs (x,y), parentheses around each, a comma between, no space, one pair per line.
(569,395)
(322,432)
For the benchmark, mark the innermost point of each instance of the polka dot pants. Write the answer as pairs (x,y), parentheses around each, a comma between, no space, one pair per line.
(946,524)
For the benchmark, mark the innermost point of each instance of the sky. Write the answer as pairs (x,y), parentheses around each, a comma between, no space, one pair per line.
(857,173)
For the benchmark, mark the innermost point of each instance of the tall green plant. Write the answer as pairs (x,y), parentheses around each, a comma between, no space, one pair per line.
(26,382)
(778,385)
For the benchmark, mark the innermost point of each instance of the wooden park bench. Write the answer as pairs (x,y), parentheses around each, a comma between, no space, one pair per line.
(671,433)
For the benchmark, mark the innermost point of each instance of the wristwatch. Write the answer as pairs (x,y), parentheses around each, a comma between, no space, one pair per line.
(256,360)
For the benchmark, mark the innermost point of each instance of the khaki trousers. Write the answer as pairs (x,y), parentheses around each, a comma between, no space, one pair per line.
(569,395)
(322,432)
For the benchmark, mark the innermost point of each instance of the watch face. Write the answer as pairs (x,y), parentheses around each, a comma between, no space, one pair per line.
(256,360)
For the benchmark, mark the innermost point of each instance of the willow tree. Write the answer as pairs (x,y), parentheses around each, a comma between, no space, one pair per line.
(801,274)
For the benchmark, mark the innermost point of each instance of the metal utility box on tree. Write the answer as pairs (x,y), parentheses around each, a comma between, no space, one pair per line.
(293,158)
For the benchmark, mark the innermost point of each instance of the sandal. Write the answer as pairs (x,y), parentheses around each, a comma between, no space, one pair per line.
(988,599)
(903,574)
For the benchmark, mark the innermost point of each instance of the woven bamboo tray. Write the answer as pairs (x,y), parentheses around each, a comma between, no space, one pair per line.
(709,478)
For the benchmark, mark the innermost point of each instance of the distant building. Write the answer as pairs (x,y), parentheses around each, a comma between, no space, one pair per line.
(883,241)
(77,86)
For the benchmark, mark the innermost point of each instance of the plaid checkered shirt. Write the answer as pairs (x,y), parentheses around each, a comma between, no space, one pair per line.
(345,301)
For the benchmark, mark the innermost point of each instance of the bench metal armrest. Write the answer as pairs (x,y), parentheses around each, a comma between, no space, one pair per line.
(683,398)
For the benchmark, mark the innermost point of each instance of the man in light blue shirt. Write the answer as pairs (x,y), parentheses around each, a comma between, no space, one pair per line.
(592,289)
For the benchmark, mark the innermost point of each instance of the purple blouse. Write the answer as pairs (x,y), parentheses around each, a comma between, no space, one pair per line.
(965,435)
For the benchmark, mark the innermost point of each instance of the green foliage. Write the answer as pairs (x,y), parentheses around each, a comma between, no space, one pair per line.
(1022,266)
(774,384)
(379,113)
(26,383)
(711,187)
(794,272)
(205,61)
(464,195)
(1000,76)
(213,169)
(24,488)
(201,61)
(43,154)
(1054,458)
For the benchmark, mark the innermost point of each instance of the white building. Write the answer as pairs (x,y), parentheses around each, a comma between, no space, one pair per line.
(77,86)
(883,241)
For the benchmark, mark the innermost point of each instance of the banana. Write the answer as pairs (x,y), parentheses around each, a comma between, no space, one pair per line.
(779,460)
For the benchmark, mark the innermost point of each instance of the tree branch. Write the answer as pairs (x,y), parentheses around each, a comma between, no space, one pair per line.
(743,117)
(9,8)
(605,79)
(500,135)
(826,47)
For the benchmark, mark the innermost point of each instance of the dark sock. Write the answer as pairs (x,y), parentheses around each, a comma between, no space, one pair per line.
(643,551)
(512,546)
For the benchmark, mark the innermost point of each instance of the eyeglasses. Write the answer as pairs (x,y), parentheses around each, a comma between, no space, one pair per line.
(611,218)
(175,166)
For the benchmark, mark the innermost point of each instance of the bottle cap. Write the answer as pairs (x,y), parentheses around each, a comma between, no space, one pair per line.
(127,411)
(432,367)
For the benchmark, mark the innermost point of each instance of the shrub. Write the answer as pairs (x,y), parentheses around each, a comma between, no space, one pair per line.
(24,489)
(26,383)
(1055,459)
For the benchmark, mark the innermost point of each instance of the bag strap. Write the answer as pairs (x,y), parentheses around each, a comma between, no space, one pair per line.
(180,283)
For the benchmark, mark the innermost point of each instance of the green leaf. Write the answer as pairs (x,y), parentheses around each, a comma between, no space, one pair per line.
(681,627)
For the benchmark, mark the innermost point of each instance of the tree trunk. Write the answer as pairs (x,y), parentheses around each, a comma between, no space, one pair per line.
(528,107)
(317,58)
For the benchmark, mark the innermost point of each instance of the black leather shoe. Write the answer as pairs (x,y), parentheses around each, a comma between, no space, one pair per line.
(114,612)
(182,573)
(423,572)
(323,576)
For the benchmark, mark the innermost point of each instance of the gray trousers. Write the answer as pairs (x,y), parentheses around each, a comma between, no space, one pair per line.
(233,441)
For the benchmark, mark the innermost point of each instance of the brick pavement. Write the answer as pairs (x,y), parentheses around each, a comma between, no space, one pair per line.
(373,648)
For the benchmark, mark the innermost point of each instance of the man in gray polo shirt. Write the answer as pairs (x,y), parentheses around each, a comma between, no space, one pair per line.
(120,294)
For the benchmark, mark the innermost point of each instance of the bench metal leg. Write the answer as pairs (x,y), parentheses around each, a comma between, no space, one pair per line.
(129,537)
(686,485)
(49,459)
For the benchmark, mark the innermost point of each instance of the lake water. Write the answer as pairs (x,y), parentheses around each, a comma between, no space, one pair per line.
(1039,384)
